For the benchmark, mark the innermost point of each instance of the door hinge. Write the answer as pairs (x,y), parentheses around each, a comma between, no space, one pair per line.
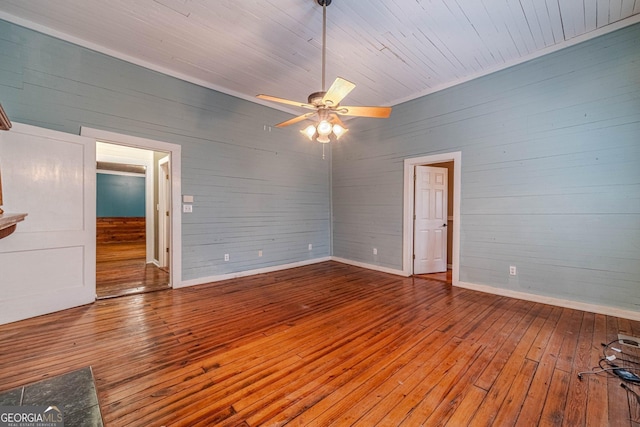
(414,256)
(167,250)
(167,213)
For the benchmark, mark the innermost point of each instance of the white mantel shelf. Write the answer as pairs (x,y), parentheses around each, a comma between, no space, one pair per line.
(8,222)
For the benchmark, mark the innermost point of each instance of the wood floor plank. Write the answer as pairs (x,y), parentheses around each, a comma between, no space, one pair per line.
(597,402)
(348,402)
(512,404)
(394,406)
(526,330)
(576,406)
(492,330)
(539,388)
(337,377)
(473,398)
(422,411)
(618,399)
(542,339)
(327,344)
(497,364)
(554,405)
(566,355)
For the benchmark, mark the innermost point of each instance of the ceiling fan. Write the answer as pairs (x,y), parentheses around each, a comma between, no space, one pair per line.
(326,103)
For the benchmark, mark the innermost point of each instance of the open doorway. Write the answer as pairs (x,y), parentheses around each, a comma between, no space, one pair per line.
(444,225)
(132,216)
(174,167)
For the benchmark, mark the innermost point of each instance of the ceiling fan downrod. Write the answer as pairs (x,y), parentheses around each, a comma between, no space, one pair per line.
(324,4)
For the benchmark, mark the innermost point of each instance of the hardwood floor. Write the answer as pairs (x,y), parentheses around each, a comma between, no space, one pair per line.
(328,344)
(121,269)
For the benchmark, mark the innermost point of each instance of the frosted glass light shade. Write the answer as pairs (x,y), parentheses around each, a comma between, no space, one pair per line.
(309,131)
(324,128)
(338,131)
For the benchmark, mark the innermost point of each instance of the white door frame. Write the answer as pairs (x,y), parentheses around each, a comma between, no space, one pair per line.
(174,150)
(430,234)
(408,207)
(164,239)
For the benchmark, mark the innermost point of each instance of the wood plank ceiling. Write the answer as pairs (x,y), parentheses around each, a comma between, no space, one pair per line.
(394,50)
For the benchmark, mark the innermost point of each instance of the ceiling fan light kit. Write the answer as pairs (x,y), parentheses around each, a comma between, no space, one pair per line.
(326,103)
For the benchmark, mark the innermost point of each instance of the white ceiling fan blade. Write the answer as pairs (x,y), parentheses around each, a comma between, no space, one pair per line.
(336,93)
(376,112)
(285,101)
(295,120)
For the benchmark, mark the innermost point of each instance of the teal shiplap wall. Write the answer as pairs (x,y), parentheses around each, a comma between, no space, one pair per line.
(550,154)
(120,195)
(255,188)
(550,174)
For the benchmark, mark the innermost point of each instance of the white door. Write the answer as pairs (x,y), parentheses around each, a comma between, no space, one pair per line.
(48,263)
(430,235)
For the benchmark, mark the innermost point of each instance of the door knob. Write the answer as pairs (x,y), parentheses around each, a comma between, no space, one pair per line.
(444,225)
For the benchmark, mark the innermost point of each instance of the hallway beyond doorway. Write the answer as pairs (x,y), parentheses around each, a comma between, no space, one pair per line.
(121,269)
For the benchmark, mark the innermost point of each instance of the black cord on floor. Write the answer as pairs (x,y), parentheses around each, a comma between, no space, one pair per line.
(624,374)
(629,390)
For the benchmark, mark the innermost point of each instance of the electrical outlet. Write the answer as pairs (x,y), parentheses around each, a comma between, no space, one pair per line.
(187,208)
(512,270)
(259,253)
(375,251)
(226,257)
(310,246)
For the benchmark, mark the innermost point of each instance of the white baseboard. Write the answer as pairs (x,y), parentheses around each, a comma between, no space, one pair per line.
(370,266)
(210,279)
(560,302)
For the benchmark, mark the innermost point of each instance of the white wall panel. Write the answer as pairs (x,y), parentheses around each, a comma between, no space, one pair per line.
(48,263)
(28,282)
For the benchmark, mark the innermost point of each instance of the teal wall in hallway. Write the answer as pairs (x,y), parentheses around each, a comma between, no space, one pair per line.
(120,195)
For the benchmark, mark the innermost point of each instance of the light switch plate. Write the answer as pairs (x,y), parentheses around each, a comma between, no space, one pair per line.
(187,199)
